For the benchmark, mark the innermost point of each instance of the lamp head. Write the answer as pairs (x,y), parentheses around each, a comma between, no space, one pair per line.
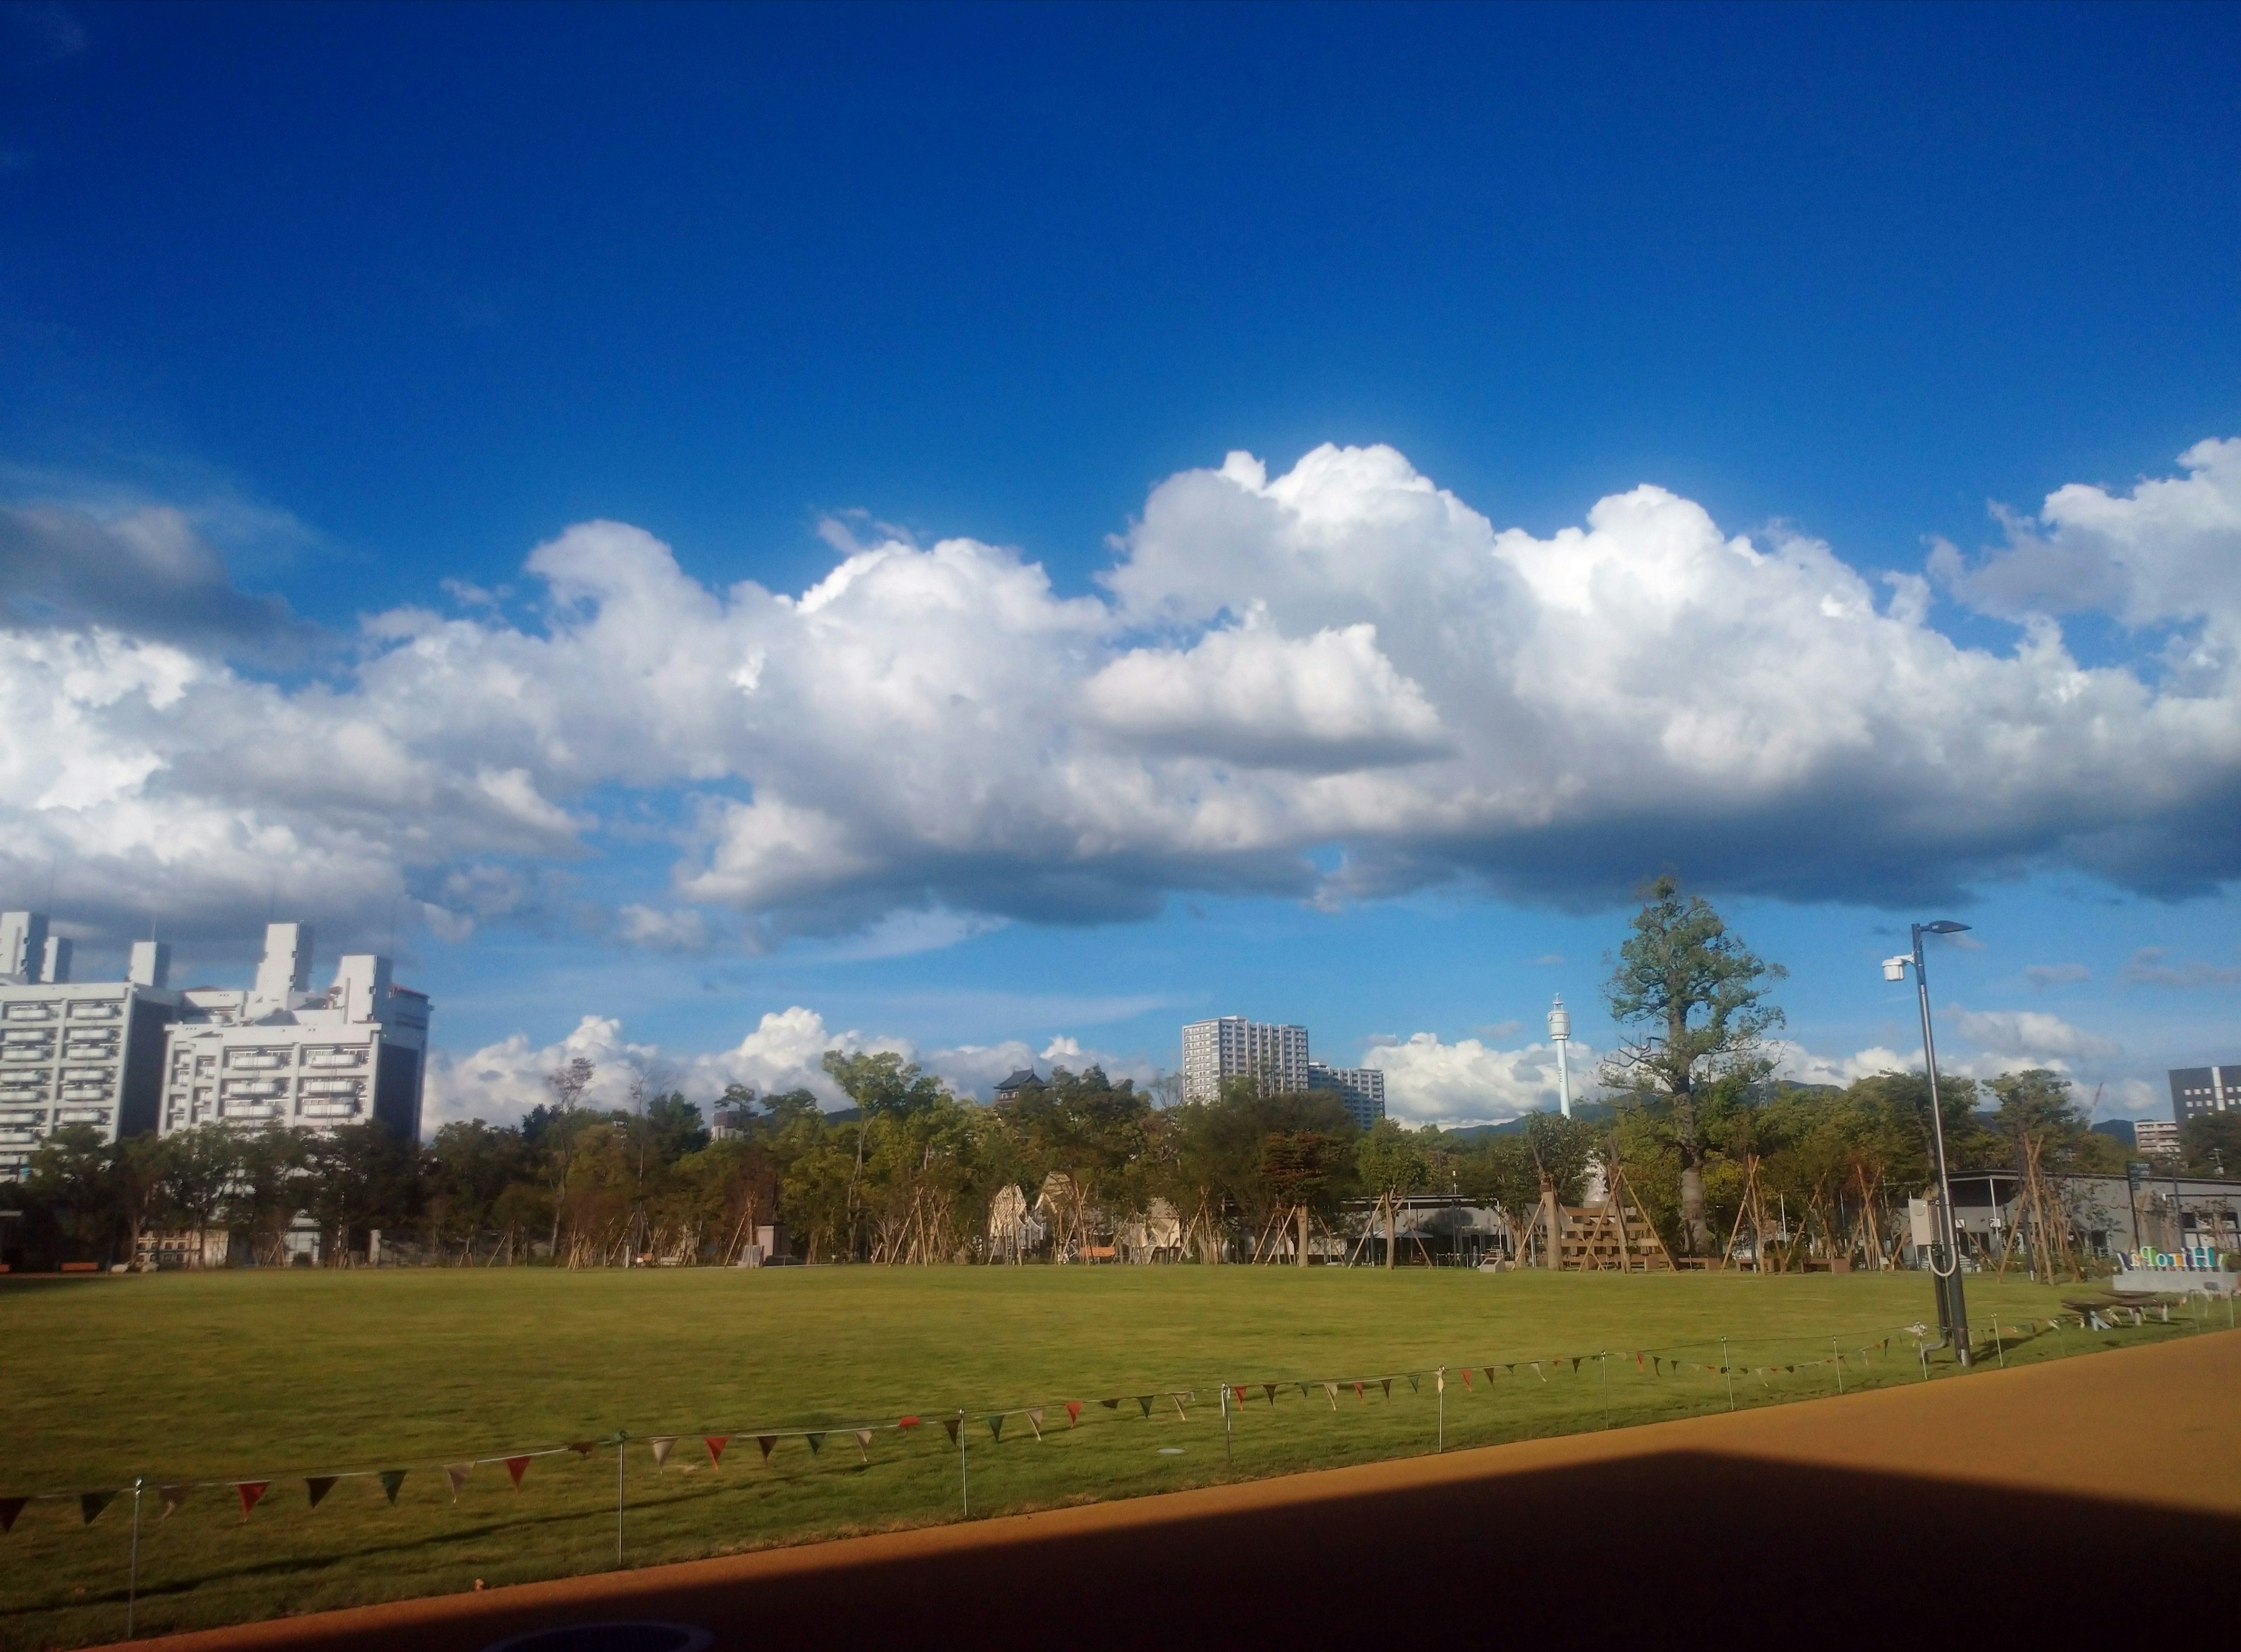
(1943,926)
(1895,968)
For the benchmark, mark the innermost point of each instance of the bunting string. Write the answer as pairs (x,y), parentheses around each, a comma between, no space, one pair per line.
(1656,1364)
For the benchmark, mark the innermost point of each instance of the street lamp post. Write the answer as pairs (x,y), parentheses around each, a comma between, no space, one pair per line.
(1945,1255)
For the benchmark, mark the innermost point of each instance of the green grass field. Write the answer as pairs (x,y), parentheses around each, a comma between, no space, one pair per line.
(281,1376)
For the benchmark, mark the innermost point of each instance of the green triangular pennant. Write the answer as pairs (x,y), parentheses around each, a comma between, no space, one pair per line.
(1385,1383)
(1269,1388)
(392,1479)
(767,1441)
(1144,1401)
(816,1442)
(9,1508)
(90,1503)
(1413,1387)
(320,1486)
(996,1426)
(949,1427)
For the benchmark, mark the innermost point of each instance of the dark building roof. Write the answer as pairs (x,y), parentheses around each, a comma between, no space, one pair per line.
(1019,1080)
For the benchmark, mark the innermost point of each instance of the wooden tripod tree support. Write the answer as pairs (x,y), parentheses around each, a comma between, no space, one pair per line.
(2049,1234)
(1869,1236)
(1613,1236)
(1753,1205)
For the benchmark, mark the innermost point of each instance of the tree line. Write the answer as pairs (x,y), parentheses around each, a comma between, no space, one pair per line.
(1696,1123)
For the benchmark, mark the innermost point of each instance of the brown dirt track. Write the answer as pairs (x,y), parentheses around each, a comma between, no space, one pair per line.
(2097,1494)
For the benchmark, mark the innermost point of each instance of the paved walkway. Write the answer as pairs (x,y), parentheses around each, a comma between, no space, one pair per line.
(2101,1493)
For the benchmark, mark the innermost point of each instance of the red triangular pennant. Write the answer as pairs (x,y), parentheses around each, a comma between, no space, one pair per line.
(905,1423)
(320,1486)
(716,1442)
(251,1490)
(1466,1372)
(1239,1390)
(517,1467)
(583,1448)
(1074,1414)
(1358,1392)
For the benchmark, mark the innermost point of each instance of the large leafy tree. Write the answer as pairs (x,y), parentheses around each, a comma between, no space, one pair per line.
(198,1166)
(1697,995)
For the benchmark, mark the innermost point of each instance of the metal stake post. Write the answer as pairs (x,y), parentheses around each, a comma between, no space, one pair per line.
(1839,1360)
(964,1471)
(132,1581)
(1225,1419)
(622,1463)
(1728,1374)
(1604,1359)
(1442,1378)
(1999,1343)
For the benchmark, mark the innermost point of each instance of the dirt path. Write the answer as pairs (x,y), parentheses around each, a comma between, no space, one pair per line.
(2099,1492)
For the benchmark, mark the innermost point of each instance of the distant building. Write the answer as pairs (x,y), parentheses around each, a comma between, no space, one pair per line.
(2199,1090)
(280,1054)
(730,1123)
(2156,1138)
(1020,1080)
(88,1053)
(1362,1089)
(1275,1058)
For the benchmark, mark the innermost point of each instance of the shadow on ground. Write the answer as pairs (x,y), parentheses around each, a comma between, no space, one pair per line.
(1675,1549)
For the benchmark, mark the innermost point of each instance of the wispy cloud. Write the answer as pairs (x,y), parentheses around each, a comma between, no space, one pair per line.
(2147,968)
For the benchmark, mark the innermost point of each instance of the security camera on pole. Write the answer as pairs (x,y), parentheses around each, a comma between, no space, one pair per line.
(1560,1035)
(1945,1253)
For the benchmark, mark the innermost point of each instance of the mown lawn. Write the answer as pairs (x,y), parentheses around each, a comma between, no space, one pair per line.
(282,1376)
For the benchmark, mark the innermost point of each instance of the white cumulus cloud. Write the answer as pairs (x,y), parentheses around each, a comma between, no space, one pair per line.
(1470,1081)
(1343,654)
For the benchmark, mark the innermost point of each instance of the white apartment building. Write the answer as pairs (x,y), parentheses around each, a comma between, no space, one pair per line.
(88,1053)
(2156,1138)
(1275,1058)
(1362,1089)
(281,1053)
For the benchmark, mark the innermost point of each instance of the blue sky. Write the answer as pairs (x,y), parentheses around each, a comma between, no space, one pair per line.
(315,323)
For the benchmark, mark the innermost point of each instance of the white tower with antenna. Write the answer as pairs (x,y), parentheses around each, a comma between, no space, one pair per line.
(1560,1035)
